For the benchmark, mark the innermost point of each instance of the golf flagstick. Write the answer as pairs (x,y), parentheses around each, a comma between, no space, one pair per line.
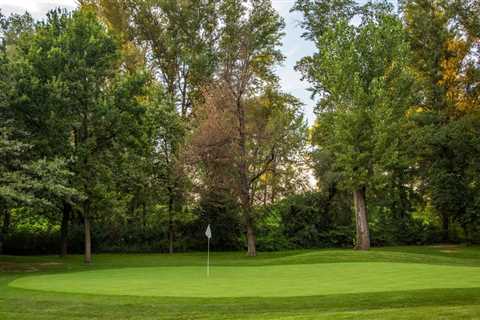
(208,258)
(208,234)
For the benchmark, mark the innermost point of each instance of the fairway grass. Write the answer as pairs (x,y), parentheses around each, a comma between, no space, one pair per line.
(259,281)
(388,283)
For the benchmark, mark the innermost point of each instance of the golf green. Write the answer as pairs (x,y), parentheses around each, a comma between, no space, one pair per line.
(258,281)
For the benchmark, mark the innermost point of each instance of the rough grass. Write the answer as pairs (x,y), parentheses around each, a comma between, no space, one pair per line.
(446,287)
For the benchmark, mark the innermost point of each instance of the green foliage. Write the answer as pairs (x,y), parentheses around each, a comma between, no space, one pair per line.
(358,71)
(446,118)
(30,182)
(155,118)
(221,211)
(316,220)
(73,90)
(251,33)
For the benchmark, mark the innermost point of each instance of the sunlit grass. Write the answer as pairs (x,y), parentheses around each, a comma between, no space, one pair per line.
(390,283)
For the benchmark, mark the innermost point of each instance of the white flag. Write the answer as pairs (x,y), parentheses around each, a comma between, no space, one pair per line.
(208,232)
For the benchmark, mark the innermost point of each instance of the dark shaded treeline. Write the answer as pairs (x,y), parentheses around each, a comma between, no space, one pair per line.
(128,126)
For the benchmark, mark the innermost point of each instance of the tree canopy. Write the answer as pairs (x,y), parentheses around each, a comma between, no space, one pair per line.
(131,125)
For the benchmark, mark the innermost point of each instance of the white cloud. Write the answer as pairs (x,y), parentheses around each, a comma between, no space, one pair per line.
(37,8)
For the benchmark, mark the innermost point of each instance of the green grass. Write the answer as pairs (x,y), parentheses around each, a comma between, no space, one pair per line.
(389,283)
(258,281)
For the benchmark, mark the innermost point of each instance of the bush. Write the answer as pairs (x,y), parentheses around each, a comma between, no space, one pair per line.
(310,220)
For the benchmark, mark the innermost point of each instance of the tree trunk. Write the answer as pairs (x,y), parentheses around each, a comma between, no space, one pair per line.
(265,194)
(88,241)
(466,230)
(332,191)
(171,234)
(6,222)
(67,209)
(144,216)
(445,227)
(170,238)
(88,236)
(5,228)
(251,241)
(363,237)
(245,183)
(274,182)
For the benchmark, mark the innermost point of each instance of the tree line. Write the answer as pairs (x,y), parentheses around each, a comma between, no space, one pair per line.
(130,125)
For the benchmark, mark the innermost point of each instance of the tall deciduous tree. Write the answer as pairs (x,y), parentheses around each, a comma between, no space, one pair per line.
(189,44)
(179,40)
(444,39)
(355,72)
(274,136)
(28,177)
(249,48)
(85,105)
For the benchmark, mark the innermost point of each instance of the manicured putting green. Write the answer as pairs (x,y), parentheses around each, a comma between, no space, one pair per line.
(259,281)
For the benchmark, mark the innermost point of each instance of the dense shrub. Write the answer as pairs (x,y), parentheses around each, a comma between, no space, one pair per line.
(310,220)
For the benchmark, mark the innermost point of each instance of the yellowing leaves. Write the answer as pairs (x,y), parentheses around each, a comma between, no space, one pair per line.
(414,110)
(456,50)
(454,79)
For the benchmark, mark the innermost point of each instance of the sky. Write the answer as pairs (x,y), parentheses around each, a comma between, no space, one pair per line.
(294,47)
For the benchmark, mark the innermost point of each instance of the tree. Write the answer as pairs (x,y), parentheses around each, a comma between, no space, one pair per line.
(27,182)
(274,136)
(27,177)
(166,136)
(179,41)
(444,40)
(81,101)
(248,51)
(188,44)
(356,73)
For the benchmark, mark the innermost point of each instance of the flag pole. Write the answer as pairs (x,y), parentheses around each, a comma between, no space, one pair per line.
(208,234)
(208,258)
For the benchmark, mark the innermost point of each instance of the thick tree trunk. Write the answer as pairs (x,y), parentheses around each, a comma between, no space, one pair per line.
(445,227)
(363,237)
(67,209)
(251,241)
